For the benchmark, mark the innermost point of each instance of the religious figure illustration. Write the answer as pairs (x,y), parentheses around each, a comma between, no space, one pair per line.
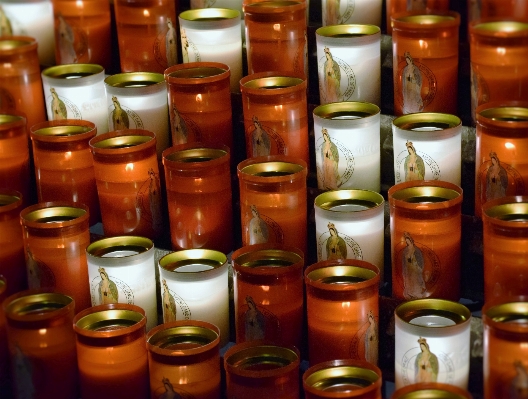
(148,201)
(254,321)
(330,156)
(39,274)
(496,179)
(414,165)
(171,51)
(412,269)
(169,393)
(185,46)
(179,128)
(202,3)
(5,24)
(335,246)
(519,384)
(58,108)
(411,87)
(66,39)
(332,78)
(426,363)
(258,229)
(107,289)
(260,140)
(333,15)
(416,4)
(371,340)
(119,116)
(169,304)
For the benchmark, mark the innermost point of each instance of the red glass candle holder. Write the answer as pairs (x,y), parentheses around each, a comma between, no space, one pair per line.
(275,115)
(56,235)
(82,32)
(342,303)
(396,6)
(5,377)
(14,153)
(42,345)
(259,370)
(200,103)
(128,182)
(276,38)
(273,201)
(64,163)
(431,390)
(147,34)
(344,378)
(501,168)
(425,61)
(199,196)
(505,348)
(184,360)
(12,258)
(486,10)
(20,80)
(426,229)
(111,351)
(268,293)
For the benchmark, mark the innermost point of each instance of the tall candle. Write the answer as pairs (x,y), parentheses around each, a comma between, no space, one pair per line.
(337,12)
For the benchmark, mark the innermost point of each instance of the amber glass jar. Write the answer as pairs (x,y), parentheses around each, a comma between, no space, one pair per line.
(199,196)
(426,229)
(42,345)
(12,260)
(5,380)
(20,80)
(268,293)
(111,351)
(128,182)
(200,102)
(64,163)
(273,201)
(184,360)
(259,370)
(425,61)
(275,115)
(397,6)
(56,235)
(431,390)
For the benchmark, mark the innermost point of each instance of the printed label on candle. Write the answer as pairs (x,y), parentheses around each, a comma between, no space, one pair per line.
(121,117)
(498,179)
(410,165)
(480,93)
(72,40)
(39,274)
(6,98)
(183,128)
(259,322)
(331,246)
(6,28)
(418,85)
(61,107)
(148,201)
(300,62)
(420,267)
(339,81)
(331,152)
(336,14)
(167,391)
(264,140)
(366,342)
(165,46)
(262,229)
(108,289)
(190,52)
(170,303)
(202,3)
(517,387)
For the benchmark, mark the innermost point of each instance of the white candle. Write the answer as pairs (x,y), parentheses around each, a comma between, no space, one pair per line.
(340,12)
(122,270)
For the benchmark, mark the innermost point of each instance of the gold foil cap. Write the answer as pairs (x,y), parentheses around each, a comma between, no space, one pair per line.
(107,246)
(342,378)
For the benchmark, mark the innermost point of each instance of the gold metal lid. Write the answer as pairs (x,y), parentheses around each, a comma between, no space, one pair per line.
(342,378)
(128,244)
(196,155)
(261,357)
(348,200)
(182,338)
(72,71)
(109,320)
(210,18)
(430,313)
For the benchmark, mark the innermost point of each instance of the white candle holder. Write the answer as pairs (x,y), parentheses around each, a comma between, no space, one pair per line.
(349,63)
(427,146)
(432,342)
(122,270)
(76,91)
(194,286)
(339,12)
(347,146)
(138,100)
(213,34)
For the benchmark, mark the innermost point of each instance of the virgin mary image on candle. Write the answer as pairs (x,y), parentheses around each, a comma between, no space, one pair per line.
(171,51)
(254,321)
(371,340)
(496,178)
(333,15)
(66,38)
(426,364)
(414,165)
(260,139)
(5,24)
(107,289)
(335,246)
(412,269)
(179,128)
(331,179)
(518,387)
(258,228)
(411,87)
(168,303)
(169,392)
(331,78)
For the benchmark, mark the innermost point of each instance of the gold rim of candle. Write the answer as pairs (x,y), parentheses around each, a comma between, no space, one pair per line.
(13,44)
(196,73)
(503,29)
(266,257)
(329,200)
(98,249)
(454,311)
(354,34)
(431,121)
(9,199)
(272,83)
(106,320)
(333,376)
(122,139)
(38,309)
(429,195)
(507,210)
(347,110)
(272,7)
(135,79)
(214,260)
(508,117)
(210,18)
(510,317)
(270,168)
(432,393)
(72,71)
(52,215)
(62,131)
(171,336)
(241,358)
(194,155)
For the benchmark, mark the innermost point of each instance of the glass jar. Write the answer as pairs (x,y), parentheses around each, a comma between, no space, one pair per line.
(427,146)
(395,6)
(260,370)
(56,235)
(268,294)
(82,32)
(199,196)
(273,201)
(112,352)
(425,61)
(5,374)
(41,345)
(20,80)
(348,62)
(275,115)
(128,183)
(342,304)
(200,103)
(425,230)
(355,12)
(184,360)
(432,342)
(431,390)
(64,164)
(488,10)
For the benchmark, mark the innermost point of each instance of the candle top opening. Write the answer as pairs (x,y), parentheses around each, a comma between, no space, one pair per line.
(54,214)
(262,358)
(63,130)
(429,312)
(342,379)
(6,199)
(432,321)
(514,313)
(109,320)
(119,246)
(508,212)
(183,337)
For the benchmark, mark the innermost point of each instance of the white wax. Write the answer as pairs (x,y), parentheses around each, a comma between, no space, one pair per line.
(366,12)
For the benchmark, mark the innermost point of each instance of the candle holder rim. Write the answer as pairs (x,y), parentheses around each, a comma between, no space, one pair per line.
(410,122)
(89,321)
(267,259)
(217,72)
(66,214)
(129,80)
(318,273)
(425,19)
(454,311)
(509,316)
(193,155)
(274,6)
(64,130)
(495,28)
(12,119)
(363,110)
(272,83)
(503,115)
(37,306)
(431,390)
(333,198)
(211,14)
(511,211)
(216,260)
(10,200)
(97,249)
(72,74)
(122,141)
(346,32)
(14,44)
(3,285)
(448,194)
(268,168)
